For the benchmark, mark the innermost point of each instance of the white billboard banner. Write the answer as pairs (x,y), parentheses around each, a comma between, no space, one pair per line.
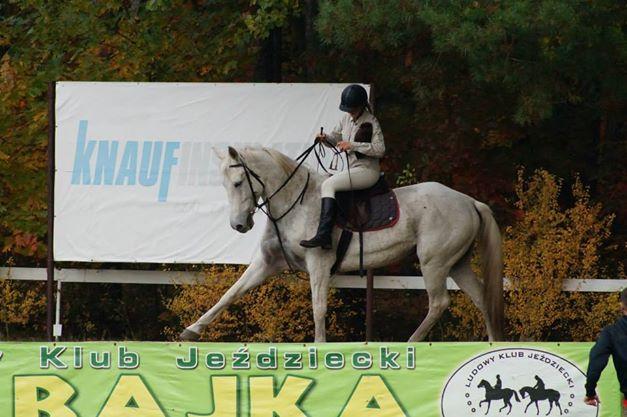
(136,179)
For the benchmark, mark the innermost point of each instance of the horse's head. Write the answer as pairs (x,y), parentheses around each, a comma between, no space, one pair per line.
(238,189)
(524,391)
(484,384)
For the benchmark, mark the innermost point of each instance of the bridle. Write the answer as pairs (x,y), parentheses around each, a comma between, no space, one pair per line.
(318,149)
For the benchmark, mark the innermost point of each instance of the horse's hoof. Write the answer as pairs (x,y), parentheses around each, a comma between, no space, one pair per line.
(189,336)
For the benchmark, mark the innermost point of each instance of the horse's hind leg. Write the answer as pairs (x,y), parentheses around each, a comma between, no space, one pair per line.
(439,300)
(557,403)
(468,282)
(550,408)
(506,403)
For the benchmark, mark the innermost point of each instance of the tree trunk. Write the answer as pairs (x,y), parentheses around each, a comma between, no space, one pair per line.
(269,62)
(311,8)
(276,43)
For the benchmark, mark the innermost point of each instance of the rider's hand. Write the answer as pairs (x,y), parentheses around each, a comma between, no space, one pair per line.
(344,146)
(593,401)
(321,137)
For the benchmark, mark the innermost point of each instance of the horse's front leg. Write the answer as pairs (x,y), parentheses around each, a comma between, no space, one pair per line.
(257,272)
(319,277)
(488,410)
(530,402)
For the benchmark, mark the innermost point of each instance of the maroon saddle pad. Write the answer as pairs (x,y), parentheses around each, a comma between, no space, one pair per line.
(374,208)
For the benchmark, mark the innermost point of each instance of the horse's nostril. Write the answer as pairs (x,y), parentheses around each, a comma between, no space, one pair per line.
(239,227)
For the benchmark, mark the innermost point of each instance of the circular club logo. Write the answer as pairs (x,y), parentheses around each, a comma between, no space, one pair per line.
(518,383)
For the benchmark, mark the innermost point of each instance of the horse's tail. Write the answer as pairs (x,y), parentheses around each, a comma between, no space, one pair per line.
(492,266)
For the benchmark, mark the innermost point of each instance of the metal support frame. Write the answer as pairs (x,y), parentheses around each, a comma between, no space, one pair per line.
(369,304)
(51,170)
(370,272)
(57,328)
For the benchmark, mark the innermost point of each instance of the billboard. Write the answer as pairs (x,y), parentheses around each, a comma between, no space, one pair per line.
(140,379)
(136,179)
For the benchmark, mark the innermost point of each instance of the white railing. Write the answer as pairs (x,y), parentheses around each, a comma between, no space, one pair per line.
(392,282)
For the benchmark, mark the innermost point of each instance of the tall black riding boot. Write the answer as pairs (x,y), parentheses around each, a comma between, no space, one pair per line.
(325,227)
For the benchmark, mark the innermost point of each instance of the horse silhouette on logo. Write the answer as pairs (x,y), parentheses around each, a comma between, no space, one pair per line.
(540,393)
(497,393)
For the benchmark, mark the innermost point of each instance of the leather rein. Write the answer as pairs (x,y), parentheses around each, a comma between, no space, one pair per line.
(318,149)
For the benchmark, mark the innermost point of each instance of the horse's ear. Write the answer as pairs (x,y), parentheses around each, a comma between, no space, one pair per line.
(219,152)
(233,152)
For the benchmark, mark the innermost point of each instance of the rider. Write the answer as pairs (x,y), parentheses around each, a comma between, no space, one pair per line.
(359,134)
(539,383)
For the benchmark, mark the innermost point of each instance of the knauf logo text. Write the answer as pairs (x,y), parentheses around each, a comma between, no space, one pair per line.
(147,163)
(182,165)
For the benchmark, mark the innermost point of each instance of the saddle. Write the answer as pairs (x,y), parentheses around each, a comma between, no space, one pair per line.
(374,208)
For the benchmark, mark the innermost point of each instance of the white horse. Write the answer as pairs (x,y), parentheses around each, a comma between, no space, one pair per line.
(439,223)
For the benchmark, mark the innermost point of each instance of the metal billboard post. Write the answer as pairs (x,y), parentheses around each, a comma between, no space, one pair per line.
(369,304)
(51,171)
(370,272)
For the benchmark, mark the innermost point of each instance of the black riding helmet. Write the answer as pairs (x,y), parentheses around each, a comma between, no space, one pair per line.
(353,97)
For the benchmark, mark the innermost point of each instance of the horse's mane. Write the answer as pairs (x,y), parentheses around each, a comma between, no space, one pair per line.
(286,163)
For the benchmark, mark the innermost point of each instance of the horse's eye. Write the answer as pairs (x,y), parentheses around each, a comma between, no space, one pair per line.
(237,184)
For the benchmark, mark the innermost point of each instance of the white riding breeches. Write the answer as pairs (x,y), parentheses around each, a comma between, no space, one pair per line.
(360,178)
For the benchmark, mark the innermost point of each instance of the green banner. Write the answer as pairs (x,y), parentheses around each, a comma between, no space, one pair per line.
(139,379)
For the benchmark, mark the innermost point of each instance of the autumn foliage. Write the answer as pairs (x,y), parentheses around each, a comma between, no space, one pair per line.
(547,245)
(277,311)
(22,306)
